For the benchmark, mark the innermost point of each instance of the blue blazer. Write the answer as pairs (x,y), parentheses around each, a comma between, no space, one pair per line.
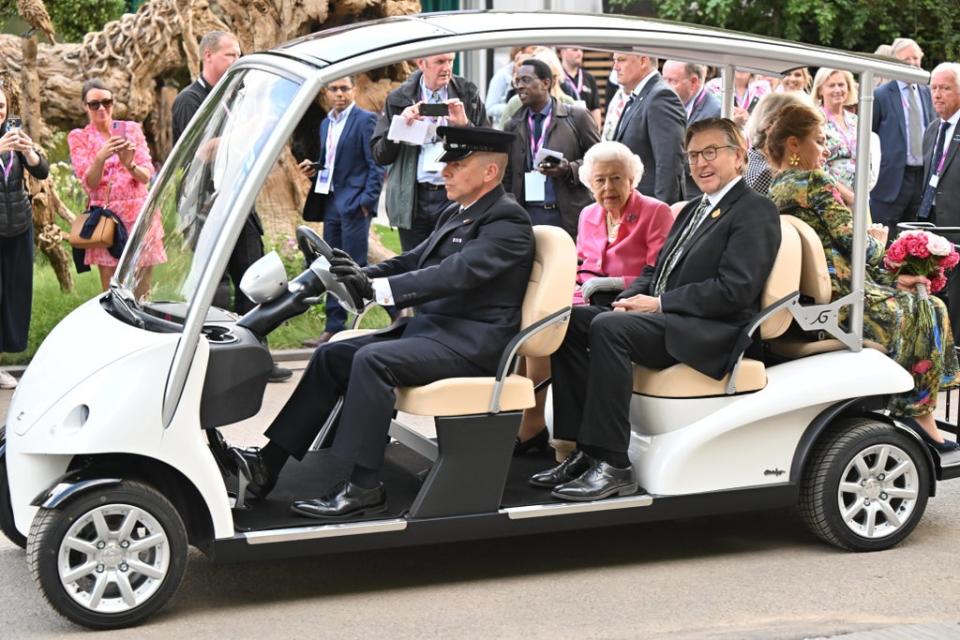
(890,124)
(357,178)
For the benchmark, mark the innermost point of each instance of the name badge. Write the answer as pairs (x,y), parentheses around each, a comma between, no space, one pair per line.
(534,186)
(580,103)
(323,182)
(431,157)
(934,180)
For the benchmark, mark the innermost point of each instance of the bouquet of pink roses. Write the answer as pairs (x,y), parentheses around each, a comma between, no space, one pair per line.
(921,253)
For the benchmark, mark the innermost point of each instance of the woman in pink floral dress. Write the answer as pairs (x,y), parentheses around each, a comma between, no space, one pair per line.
(113,163)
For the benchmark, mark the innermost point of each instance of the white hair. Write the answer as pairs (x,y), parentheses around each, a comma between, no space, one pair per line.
(610,151)
(951,67)
(899,44)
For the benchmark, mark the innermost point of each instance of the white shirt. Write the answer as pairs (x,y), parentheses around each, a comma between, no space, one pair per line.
(951,130)
(337,123)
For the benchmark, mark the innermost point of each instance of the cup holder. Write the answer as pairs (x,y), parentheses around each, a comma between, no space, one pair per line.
(219,335)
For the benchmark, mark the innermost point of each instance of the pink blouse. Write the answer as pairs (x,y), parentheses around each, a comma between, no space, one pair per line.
(644,226)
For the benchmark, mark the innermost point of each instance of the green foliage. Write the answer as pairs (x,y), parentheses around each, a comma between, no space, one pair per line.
(75,18)
(846,24)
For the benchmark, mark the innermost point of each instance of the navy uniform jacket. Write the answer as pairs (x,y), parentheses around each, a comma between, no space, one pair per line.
(714,290)
(468,279)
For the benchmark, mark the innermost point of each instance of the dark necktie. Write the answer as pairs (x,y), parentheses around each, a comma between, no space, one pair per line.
(674,256)
(929,191)
(537,126)
(623,116)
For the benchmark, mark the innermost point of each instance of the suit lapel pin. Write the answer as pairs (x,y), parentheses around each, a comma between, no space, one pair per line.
(468,221)
(716,213)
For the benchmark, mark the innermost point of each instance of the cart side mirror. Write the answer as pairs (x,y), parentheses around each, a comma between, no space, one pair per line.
(265,279)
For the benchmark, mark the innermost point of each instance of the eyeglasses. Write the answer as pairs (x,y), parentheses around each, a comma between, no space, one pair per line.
(95,105)
(339,89)
(524,81)
(709,154)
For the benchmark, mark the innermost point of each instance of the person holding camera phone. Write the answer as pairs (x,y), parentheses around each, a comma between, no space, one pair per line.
(113,164)
(17,152)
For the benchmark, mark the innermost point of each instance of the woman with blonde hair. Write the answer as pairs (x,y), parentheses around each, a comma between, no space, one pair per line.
(759,174)
(798,79)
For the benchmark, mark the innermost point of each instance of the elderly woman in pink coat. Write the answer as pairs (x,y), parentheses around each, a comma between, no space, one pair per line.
(616,238)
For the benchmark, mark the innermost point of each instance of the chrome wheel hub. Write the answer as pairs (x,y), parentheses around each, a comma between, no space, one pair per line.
(878,491)
(113,558)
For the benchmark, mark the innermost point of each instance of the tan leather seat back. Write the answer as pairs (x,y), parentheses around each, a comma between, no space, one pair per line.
(784,279)
(677,207)
(550,289)
(814,277)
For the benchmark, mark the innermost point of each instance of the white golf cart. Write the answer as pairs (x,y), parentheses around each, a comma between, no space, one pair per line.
(112,462)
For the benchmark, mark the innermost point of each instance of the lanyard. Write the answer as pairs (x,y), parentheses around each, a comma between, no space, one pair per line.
(743,104)
(849,140)
(333,137)
(6,166)
(697,102)
(536,145)
(578,87)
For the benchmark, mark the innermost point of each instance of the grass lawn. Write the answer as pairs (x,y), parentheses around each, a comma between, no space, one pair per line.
(50,305)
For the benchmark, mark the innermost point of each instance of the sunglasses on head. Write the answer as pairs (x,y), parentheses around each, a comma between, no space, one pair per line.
(94,105)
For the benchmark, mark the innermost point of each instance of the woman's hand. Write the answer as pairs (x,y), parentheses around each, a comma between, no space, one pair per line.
(10,141)
(878,232)
(113,145)
(125,153)
(909,283)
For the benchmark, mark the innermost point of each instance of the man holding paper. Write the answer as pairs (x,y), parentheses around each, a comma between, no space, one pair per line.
(405,139)
(545,158)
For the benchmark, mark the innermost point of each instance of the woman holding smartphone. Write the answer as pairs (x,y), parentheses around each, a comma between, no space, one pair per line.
(113,163)
(17,152)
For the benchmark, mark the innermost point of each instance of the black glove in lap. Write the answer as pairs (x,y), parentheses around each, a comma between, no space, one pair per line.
(350,275)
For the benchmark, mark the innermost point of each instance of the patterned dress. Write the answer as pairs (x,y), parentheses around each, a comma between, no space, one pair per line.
(842,146)
(118,190)
(889,314)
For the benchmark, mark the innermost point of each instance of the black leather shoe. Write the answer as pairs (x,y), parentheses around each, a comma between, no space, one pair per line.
(600,481)
(539,442)
(344,501)
(250,464)
(279,374)
(572,467)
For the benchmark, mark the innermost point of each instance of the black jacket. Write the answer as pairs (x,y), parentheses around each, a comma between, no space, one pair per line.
(714,290)
(186,105)
(468,279)
(16,213)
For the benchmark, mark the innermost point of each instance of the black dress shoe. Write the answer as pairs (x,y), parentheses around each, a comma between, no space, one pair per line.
(345,500)
(572,467)
(279,374)
(539,442)
(250,463)
(600,481)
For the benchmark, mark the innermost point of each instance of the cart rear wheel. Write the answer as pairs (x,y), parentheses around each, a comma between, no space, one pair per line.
(111,558)
(865,486)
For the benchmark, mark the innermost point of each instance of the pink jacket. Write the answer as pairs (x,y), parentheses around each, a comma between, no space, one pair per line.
(643,229)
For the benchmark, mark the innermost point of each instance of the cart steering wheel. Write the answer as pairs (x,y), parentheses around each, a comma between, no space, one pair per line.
(311,245)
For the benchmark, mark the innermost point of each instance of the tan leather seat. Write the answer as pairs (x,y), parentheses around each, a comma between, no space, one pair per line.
(681,381)
(677,207)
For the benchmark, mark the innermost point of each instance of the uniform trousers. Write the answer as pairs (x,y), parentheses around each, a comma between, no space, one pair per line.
(16,290)
(349,232)
(593,373)
(364,371)
(431,202)
(905,205)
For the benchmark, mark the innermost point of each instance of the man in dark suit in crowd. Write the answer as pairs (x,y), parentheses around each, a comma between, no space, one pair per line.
(551,191)
(652,125)
(692,306)
(579,81)
(467,280)
(941,169)
(345,186)
(901,112)
(687,80)
(219,50)
(415,191)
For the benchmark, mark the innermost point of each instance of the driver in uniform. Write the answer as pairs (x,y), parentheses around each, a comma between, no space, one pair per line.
(467,281)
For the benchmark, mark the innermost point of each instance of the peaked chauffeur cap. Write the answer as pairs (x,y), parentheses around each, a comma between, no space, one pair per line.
(460,142)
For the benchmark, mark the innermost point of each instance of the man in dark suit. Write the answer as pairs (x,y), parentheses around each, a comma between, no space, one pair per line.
(941,169)
(652,125)
(467,280)
(687,80)
(345,188)
(901,112)
(415,192)
(551,191)
(692,306)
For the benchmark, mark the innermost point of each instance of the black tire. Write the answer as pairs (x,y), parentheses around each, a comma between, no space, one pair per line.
(50,526)
(834,460)
(6,510)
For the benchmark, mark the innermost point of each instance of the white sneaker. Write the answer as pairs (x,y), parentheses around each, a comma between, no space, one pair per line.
(7,381)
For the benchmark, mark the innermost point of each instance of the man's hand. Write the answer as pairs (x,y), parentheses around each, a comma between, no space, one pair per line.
(458,115)
(639,303)
(555,170)
(306,169)
(411,113)
(350,275)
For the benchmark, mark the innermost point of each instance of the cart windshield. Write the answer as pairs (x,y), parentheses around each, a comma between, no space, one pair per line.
(194,197)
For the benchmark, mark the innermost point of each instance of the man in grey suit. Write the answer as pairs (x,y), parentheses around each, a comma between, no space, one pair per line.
(687,80)
(652,124)
(941,195)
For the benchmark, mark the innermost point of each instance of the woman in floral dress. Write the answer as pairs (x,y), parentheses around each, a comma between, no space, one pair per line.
(796,150)
(112,162)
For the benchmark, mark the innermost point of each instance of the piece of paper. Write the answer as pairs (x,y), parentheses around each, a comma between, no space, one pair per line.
(534,186)
(546,153)
(415,133)
(431,157)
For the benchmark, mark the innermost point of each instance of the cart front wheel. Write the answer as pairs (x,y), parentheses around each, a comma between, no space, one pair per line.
(865,486)
(110,558)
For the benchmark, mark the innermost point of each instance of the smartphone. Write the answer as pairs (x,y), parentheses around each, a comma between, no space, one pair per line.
(550,161)
(12,124)
(434,110)
(120,128)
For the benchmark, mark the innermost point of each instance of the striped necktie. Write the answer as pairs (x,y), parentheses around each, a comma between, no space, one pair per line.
(674,257)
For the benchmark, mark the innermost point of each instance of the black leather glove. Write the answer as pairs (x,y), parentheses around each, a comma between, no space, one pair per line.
(350,275)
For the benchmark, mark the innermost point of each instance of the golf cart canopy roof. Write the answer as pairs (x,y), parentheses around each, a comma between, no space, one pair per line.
(428,34)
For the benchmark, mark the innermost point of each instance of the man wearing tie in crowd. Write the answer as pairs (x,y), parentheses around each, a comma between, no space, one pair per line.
(940,203)
(687,80)
(543,172)
(648,117)
(345,188)
(579,81)
(415,191)
(901,112)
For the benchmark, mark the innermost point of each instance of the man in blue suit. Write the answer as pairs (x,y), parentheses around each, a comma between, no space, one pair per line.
(345,187)
(901,113)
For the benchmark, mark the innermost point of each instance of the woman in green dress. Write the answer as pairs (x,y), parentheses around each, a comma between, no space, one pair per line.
(801,188)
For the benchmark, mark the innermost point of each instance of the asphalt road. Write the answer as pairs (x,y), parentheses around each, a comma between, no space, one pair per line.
(759,575)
